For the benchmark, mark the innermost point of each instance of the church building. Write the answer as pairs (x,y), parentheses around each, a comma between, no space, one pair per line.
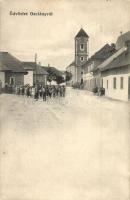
(81,56)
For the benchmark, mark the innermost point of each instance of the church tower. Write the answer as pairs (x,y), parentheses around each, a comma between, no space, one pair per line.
(81,53)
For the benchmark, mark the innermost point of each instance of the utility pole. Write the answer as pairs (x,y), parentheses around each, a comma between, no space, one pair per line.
(35,68)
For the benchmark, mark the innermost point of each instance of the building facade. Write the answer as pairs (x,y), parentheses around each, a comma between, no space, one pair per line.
(40,76)
(2,78)
(115,71)
(11,70)
(71,69)
(81,56)
(30,67)
(116,74)
(36,73)
(81,53)
(92,75)
(117,83)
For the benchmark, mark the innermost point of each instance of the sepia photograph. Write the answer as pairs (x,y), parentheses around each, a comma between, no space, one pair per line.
(65,100)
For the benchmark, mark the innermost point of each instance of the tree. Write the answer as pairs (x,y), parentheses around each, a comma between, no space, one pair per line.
(68,76)
(60,79)
(55,75)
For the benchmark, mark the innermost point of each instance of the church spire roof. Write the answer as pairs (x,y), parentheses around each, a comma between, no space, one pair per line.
(81,33)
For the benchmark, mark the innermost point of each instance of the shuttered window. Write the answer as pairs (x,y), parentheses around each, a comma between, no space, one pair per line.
(114,82)
(121,82)
(107,84)
(81,47)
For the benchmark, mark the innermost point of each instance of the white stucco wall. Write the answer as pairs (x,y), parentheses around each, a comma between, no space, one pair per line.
(2,78)
(88,76)
(72,70)
(118,93)
(28,79)
(88,79)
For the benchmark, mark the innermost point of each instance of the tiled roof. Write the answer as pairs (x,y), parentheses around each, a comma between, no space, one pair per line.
(36,68)
(29,65)
(121,60)
(122,39)
(10,63)
(81,33)
(3,67)
(105,52)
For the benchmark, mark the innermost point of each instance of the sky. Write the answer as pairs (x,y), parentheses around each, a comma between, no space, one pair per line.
(52,37)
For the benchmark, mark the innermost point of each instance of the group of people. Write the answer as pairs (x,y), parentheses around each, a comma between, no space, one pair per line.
(39,91)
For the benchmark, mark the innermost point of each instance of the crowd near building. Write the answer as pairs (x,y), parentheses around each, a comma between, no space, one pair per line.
(37,91)
(26,78)
(15,72)
(107,71)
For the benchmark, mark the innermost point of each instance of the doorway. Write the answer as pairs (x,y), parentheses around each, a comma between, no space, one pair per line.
(12,80)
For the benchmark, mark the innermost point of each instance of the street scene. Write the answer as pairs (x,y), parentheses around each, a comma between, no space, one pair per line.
(64,100)
(67,148)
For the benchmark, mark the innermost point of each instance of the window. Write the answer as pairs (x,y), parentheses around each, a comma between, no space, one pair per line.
(12,80)
(121,82)
(102,82)
(81,80)
(114,82)
(82,47)
(107,84)
(82,58)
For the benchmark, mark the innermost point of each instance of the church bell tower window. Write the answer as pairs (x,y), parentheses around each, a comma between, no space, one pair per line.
(82,47)
(82,58)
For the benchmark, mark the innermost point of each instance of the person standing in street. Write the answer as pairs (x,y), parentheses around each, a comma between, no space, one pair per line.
(36,93)
(0,86)
(44,93)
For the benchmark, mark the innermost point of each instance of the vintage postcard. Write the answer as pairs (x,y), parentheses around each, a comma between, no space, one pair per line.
(65,100)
